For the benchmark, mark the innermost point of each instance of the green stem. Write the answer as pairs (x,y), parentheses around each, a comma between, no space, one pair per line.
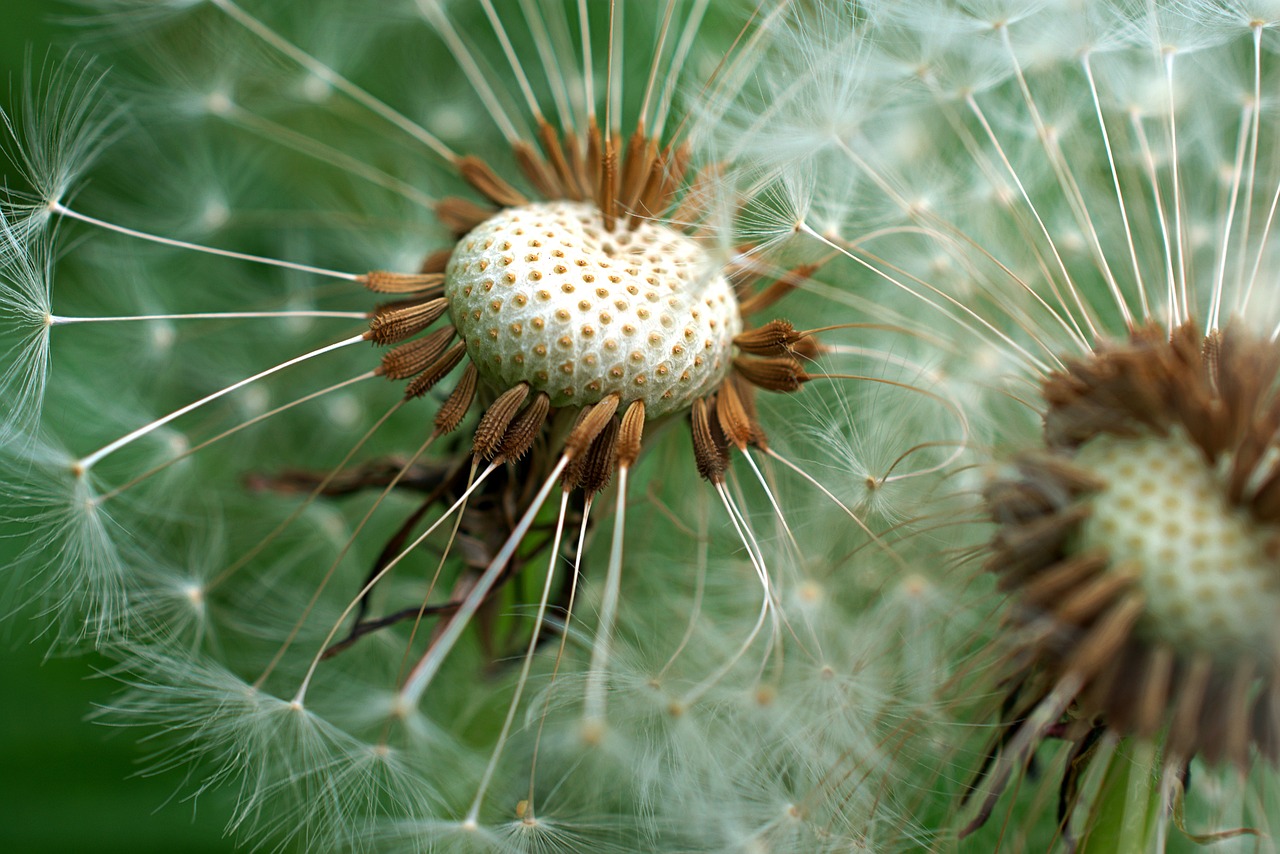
(1127,805)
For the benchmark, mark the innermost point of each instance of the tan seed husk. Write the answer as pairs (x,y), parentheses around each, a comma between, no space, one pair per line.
(455,407)
(524,429)
(409,360)
(496,419)
(426,380)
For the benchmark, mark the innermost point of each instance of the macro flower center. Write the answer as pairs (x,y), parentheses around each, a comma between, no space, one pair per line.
(1207,569)
(546,294)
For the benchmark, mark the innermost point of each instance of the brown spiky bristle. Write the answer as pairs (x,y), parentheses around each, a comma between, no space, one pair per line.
(601,458)
(1075,527)
(481,176)
(734,419)
(1221,391)
(630,435)
(461,215)
(595,424)
(775,338)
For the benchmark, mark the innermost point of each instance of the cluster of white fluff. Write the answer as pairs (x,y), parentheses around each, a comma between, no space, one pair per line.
(1021,183)
(988,187)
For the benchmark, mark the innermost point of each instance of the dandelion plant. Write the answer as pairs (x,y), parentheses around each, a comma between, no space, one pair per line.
(688,425)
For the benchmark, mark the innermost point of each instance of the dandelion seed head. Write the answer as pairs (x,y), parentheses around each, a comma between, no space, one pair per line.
(544,295)
(1168,565)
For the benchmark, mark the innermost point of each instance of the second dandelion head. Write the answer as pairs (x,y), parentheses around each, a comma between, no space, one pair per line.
(1146,535)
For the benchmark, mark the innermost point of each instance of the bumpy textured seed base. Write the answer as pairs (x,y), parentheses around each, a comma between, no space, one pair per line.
(1201,563)
(544,294)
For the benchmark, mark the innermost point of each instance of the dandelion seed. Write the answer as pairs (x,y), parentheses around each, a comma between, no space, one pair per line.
(24,295)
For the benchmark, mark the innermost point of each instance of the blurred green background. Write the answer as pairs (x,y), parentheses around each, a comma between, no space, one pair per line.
(65,783)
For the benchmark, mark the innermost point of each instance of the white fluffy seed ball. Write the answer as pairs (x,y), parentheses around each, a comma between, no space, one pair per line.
(545,294)
(1205,567)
